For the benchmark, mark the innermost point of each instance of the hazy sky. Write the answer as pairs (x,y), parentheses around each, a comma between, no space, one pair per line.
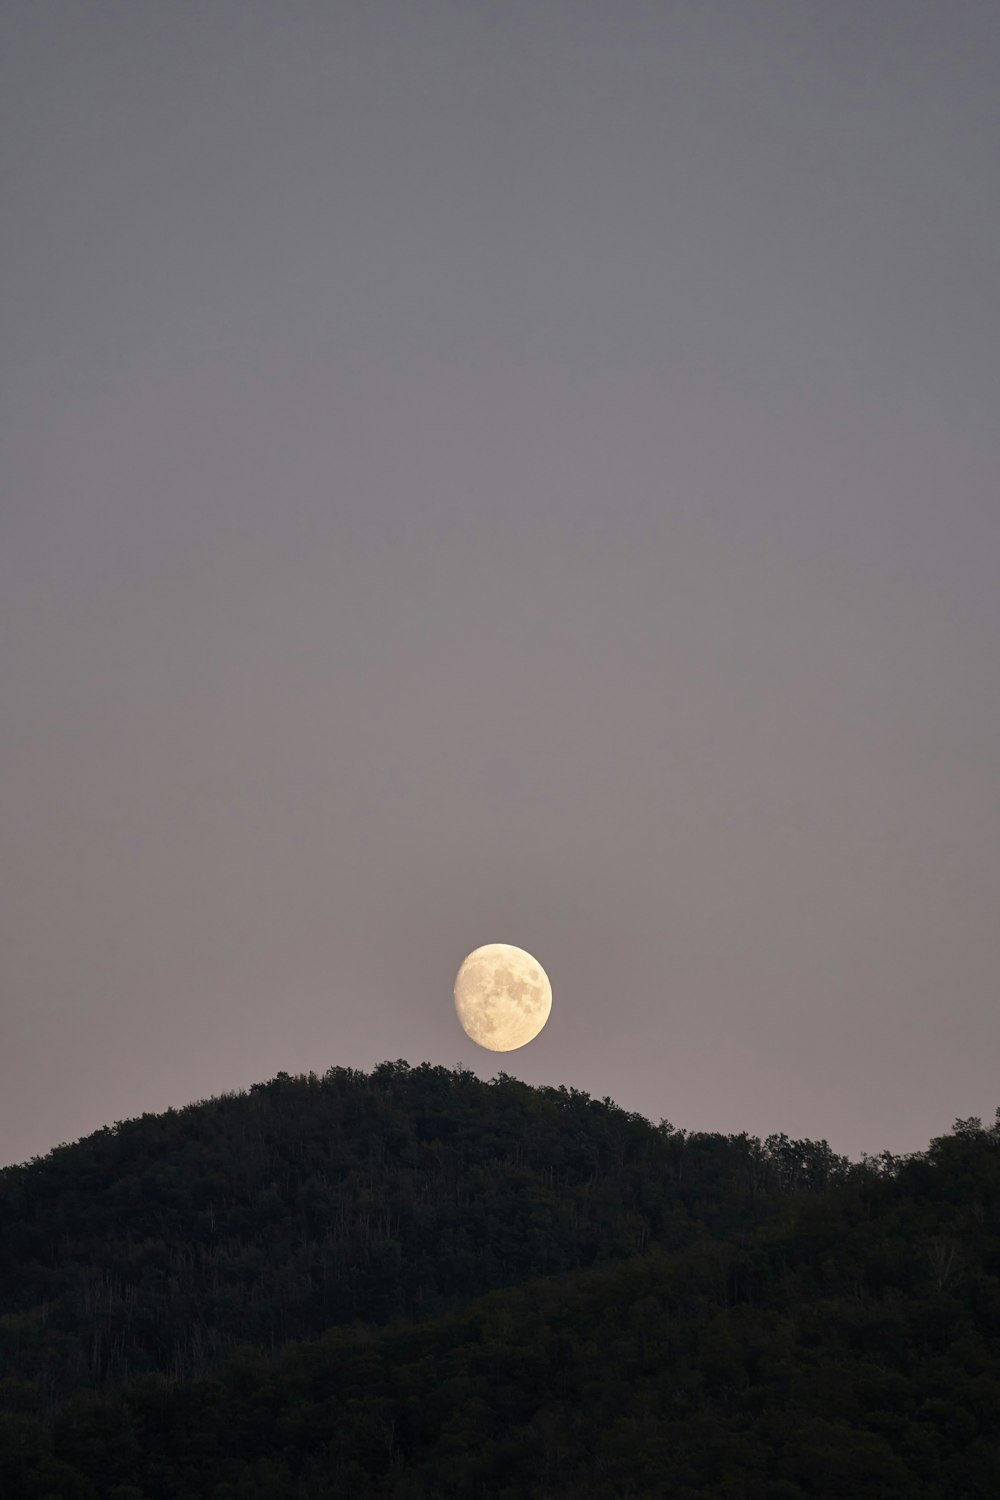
(520,470)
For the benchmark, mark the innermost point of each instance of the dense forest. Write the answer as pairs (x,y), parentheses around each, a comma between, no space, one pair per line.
(411,1283)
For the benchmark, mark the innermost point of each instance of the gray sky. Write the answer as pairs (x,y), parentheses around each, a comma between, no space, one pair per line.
(524,470)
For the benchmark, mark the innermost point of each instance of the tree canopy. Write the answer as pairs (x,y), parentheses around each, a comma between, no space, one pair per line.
(411,1283)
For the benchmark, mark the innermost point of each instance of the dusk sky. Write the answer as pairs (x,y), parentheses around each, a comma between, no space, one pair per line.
(510,471)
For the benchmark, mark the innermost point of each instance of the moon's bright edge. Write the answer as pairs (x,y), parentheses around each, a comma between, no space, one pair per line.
(502,996)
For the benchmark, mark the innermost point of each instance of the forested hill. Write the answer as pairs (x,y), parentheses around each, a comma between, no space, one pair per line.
(163,1241)
(412,1283)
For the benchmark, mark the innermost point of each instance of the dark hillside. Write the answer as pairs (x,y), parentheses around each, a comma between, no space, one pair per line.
(847,1353)
(665,1314)
(161,1242)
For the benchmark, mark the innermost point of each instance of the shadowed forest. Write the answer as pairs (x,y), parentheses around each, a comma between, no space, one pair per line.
(415,1284)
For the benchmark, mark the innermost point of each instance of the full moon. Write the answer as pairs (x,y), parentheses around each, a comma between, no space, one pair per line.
(502,996)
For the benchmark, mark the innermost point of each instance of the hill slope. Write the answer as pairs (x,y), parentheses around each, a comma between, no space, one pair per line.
(158,1244)
(666,1314)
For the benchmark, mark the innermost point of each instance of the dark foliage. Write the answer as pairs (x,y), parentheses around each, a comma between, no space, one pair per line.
(414,1284)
